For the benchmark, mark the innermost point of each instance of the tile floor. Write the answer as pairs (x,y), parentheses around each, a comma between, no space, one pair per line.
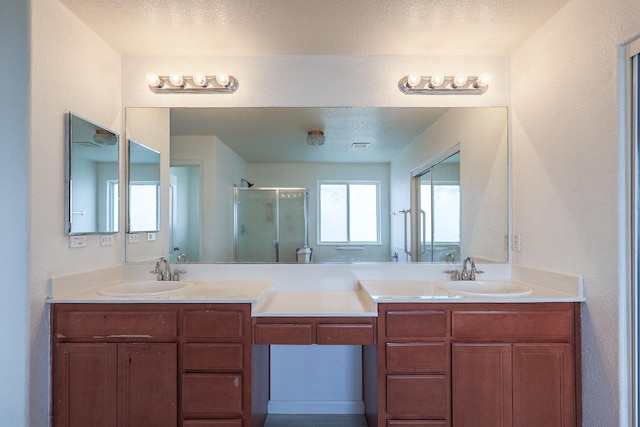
(281,420)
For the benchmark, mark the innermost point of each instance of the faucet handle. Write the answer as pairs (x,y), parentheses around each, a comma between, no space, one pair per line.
(455,274)
(472,275)
(177,273)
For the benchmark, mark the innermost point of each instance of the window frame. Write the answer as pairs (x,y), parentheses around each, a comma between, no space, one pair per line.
(349,242)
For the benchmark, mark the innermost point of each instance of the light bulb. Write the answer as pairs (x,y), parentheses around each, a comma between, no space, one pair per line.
(437,80)
(153,80)
(484,80)
(176,80)
(460,80)
(414,80)
(222,79)
(199,80)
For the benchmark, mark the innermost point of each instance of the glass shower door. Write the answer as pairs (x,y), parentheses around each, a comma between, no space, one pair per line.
(270,224)
(256,226)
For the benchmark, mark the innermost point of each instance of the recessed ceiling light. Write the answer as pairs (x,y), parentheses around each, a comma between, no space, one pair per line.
(360,145)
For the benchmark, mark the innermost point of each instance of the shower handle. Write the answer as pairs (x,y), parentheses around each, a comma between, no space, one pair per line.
(276,244)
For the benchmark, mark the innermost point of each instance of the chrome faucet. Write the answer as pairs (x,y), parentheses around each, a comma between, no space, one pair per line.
(469,274)
(162,270)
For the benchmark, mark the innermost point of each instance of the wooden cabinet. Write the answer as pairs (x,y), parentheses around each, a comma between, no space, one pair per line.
(413,368)
(101,378)
(474,365)
(127,364)
(314,330)
(215,371)
(424,364)
(515,365)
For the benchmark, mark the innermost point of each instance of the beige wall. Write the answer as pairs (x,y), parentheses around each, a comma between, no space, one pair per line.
(569,175)
(71,70)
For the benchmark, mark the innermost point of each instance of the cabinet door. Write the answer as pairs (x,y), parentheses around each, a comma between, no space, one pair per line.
(84,383)
(543,385)
(482,385)
(147,385)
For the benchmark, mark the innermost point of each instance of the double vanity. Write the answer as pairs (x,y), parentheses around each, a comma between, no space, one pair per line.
(434,353)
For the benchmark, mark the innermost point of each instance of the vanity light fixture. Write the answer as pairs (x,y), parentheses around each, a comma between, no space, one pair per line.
(439,84)
(197,83)
(315,137)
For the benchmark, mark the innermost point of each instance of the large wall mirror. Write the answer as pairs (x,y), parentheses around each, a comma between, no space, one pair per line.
(371,154)
(92,178)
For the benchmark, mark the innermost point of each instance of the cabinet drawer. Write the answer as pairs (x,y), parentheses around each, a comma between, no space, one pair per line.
(416,324)
(283,333)
(422,396)
(210,394)
(345,334)
(116,324)
(213,324)
(212,423)
(212,357)
(416,423)
(417,357)
(505,325)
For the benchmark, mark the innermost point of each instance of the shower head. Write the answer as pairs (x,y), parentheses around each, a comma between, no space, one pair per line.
(248,183)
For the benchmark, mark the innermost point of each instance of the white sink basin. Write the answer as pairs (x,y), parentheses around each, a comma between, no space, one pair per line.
(486,288)
(143,288)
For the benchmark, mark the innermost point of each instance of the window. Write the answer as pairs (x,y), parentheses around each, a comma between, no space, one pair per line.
(113,205)
(446,223)
(349,212)
(143,206)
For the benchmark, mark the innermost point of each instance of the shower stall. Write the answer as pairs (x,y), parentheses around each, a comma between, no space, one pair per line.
(270,224)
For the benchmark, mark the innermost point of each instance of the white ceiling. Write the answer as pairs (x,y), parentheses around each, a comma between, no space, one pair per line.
(314,27)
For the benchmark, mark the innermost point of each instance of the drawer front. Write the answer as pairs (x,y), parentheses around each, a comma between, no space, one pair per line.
(421,396)
(212,423)
(116,324)
(283,333)
(417,357)
(415,423)
(213,324)
(508,326)
(212,357)
(345,334)
(210,394)
(416,324)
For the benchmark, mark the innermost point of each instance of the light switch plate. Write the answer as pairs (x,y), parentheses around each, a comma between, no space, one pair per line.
(151,237)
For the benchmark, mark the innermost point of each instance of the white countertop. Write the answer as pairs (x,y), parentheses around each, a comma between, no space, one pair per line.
(308,290)
(316,303)
(429,291)
(201,291)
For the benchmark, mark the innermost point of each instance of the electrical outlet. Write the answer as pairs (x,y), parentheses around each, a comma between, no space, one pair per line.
(77,241)
(151,237)
(106,240)
(134,238)
(517,241)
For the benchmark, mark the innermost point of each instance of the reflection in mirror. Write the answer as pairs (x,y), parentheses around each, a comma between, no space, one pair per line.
(270,224)
(92,173)
(144,188)
(438,196)
(267,147)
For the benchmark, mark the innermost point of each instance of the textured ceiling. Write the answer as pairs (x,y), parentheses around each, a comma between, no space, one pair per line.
(314,27)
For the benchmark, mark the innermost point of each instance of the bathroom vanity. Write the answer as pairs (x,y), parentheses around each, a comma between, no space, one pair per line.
(178,360)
